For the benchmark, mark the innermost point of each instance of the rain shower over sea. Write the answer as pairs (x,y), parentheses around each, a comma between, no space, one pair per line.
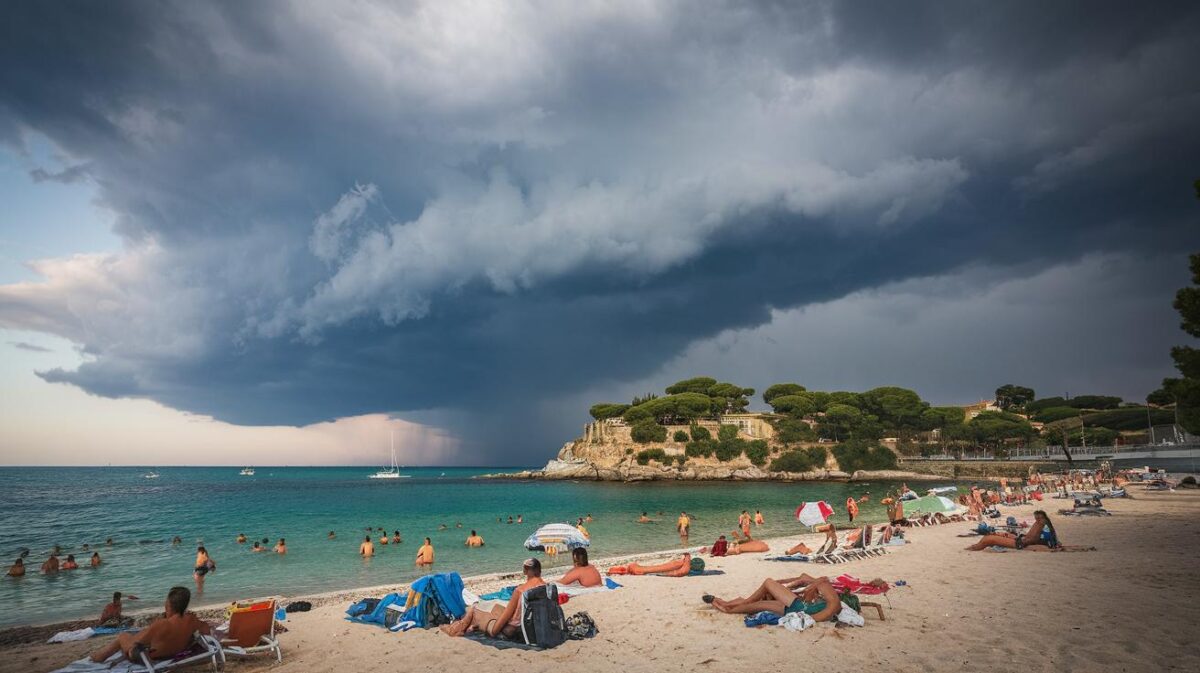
(73,506)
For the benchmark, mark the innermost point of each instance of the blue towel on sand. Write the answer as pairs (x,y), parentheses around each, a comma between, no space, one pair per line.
(764,618)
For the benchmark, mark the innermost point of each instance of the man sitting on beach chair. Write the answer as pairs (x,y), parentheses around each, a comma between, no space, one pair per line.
(166,637)
(817,599)
(501,620)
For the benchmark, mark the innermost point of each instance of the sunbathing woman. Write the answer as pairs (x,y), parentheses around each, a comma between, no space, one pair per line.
(829,544)
(817,599)
(500,620)
(1039,537)
(745,545)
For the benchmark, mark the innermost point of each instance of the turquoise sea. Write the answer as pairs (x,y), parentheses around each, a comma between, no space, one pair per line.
(41,507)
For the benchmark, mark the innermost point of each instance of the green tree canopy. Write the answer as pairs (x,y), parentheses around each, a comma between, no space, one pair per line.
(1045,403)
(994,428)
(942,417)
(1094,402)
(647,430)
(781,389)
(797,405)
(607,410)
(1009,395)
(1052,414)
(698,384)
(896,408)
(1160,398)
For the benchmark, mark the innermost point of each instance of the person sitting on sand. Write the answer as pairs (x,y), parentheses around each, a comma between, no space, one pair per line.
(50,566)
(425,553)
(500,621)
(366,549)
(817,599)
(719,548)
(281,547)
(1040,537)
(644,519)
(70,563)
(583,574)
(111,616)
(241,538)
(474,540)
(166,637)
(17,569)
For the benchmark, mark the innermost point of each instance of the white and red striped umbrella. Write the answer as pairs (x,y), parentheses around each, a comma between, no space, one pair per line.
(813,513)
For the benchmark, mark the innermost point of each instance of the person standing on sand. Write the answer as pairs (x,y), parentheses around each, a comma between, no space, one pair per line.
(851,508)
(425,553)
(366,549)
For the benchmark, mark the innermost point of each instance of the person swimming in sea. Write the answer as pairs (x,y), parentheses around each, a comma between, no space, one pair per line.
(241,538)
(17,569)
(588,518)
(458,524)
(70,563)
(383,539)
(96,559)
(644,519)
(281,547)
(331,536)
(109,542)
(257,547)
(50,566)
(520,519)
(758,518)
(443,527)
(366,549)
(396,539)
(510,518)
(178,541)
(474,540)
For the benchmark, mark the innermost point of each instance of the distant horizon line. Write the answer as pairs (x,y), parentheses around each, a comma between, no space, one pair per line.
(260,467)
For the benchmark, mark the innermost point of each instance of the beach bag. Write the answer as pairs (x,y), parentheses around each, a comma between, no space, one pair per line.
(580,625)
(697,565)
(299,606)
(365,606)
(542,622)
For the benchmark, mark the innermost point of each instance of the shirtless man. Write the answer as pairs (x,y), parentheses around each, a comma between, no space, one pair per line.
(50,566)
(241,538)
(474,540)
(817,598)
(583,574)
(281,547)
(644,519)
(366,549)
(383,539)
(500,620)
(17,569)
(257,547)
(111,616)
(163,639)
(425,553)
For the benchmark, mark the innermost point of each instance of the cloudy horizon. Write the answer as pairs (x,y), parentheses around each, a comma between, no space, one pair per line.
(290,228)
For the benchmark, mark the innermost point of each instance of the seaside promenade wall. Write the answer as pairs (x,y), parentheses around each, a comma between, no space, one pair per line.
(977,469)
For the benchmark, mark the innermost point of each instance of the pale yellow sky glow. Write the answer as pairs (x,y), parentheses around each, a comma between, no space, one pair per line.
(53,424)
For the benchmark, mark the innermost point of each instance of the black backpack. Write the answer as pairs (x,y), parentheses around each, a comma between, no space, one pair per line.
(542,622)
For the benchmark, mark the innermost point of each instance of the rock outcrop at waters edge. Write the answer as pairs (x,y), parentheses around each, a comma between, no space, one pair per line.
(606,452)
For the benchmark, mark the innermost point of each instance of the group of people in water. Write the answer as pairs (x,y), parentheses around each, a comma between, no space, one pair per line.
(52,565)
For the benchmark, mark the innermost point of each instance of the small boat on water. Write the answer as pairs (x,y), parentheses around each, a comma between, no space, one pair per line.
(392,472)
(151,475)
(247,472)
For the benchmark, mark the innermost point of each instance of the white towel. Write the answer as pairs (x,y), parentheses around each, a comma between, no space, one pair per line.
(796,621)
(469,598)
(849,616)
(68,636)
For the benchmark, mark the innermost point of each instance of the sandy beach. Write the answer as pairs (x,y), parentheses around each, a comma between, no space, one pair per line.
(1132,605)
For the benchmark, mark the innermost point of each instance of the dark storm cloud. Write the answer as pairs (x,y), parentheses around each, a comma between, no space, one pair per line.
(333,210)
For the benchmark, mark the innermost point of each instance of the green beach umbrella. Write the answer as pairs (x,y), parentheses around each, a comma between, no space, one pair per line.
(930,504)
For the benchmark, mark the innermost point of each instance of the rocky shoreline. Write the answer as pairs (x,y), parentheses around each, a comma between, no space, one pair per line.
(582,470)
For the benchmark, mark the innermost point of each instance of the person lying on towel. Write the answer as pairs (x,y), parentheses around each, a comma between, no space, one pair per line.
(816,598)
(166,637)
(500,621)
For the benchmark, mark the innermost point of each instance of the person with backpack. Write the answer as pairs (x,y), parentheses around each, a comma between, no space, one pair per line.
(500,621)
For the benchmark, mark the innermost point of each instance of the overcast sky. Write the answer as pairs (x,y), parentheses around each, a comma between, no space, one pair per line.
(275,232)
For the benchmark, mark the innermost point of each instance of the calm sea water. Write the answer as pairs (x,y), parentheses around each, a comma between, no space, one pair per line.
(41,507)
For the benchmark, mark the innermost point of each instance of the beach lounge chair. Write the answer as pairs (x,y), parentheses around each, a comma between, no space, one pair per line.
(252,632)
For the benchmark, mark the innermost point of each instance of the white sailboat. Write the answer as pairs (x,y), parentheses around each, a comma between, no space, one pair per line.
(393,472)
(247,472)
(151,475)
